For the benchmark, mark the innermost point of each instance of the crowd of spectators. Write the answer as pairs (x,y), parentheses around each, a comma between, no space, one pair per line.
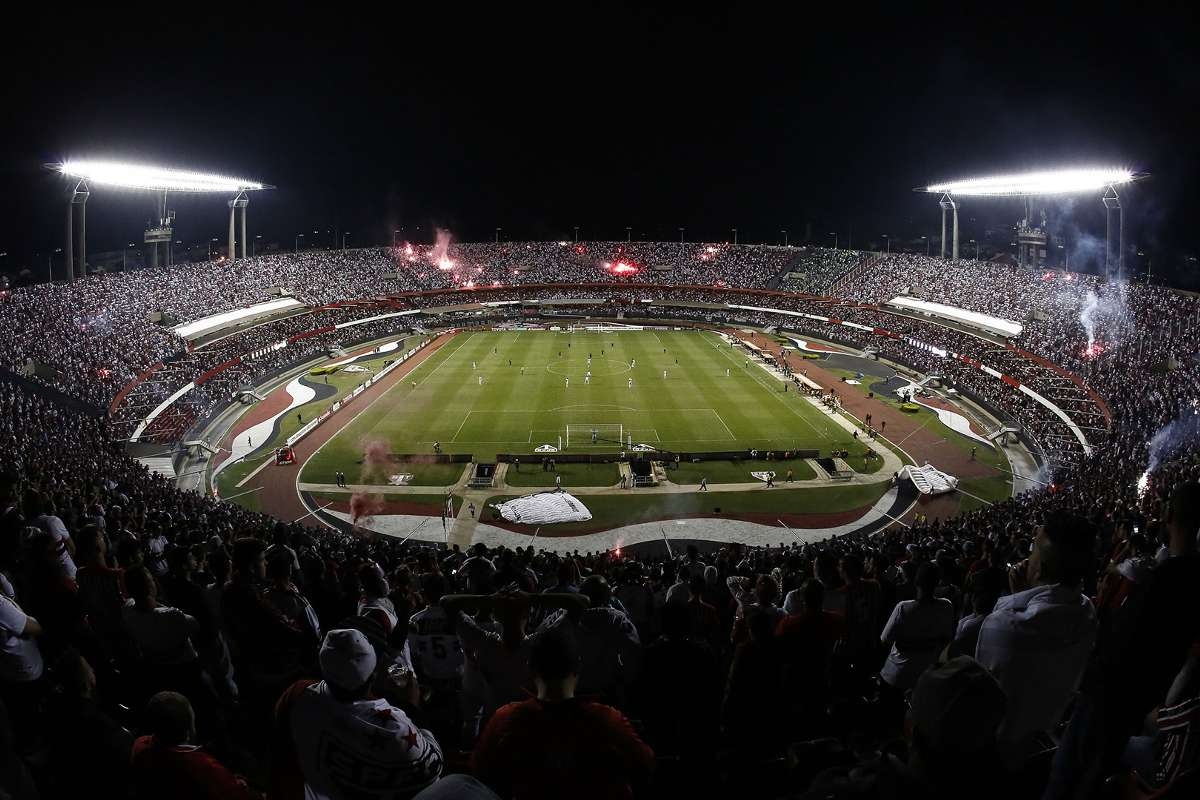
(816,269)
(96,335)
(161,643)
(164,643)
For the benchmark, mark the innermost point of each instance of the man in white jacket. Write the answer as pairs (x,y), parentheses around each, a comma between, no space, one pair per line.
(1037,640)
(341,741)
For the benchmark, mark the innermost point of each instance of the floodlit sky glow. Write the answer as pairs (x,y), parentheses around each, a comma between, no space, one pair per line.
(1060,181)
(150,178)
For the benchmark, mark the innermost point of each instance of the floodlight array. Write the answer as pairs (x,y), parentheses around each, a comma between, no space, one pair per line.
(1062,181)
(145,177)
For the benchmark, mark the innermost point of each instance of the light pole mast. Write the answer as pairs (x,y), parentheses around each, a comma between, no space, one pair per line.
(1112,202)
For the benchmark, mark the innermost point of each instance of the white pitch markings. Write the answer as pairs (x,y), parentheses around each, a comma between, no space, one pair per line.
(726,427)
(448,357)
(466,417)
(776,395)
(369,406)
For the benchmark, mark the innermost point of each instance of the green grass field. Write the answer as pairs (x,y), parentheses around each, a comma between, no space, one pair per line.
(344,382)
(534,386)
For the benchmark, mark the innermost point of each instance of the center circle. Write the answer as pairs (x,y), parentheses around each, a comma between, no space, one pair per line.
(576,368)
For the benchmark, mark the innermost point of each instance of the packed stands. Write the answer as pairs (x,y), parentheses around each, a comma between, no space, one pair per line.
(784,671)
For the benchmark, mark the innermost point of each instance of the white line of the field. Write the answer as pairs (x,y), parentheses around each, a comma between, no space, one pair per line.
(718,416)
(466,417)
(586,446)
(775,394)
(562,408)
(446,359)
(361,411)
(369,406)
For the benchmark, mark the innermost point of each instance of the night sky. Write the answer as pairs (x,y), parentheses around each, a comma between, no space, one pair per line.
(603,117)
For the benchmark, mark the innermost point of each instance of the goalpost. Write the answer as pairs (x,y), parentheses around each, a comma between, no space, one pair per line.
(595,434)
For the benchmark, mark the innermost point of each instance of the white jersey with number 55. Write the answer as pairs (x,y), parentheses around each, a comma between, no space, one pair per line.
(437,652)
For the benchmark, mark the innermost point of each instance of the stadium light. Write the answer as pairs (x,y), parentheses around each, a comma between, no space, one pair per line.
(1060,181)
(151,178)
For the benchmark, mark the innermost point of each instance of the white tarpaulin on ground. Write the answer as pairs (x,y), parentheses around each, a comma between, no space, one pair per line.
(762,476)
(546,508)
(929,479)
(957,423)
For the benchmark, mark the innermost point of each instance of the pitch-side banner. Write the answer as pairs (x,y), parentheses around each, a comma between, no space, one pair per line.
(545,508)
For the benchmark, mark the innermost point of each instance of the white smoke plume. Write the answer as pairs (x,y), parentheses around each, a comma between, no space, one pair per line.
(440,254)
(1172,436)
(1106,317)
(1087,316)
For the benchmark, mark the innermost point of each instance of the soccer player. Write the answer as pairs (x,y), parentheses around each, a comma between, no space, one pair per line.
(473,365)
(631,383)
(664,374)
(567,385)
(727,372)
(481,380)
(633,363)
(593,435)
(587,379)
(522,370)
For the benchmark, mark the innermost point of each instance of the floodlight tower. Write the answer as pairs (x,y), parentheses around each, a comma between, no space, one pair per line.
(148,178)
(1112,202)
(1032,240)
(241,201)
(947,203)
(162,233)
(79,197)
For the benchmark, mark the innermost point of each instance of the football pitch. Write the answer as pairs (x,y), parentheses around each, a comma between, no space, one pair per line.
(512,391)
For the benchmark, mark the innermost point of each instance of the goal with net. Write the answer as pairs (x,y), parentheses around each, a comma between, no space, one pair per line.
(594,434)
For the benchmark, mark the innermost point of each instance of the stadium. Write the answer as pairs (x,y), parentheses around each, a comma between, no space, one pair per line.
(450,518)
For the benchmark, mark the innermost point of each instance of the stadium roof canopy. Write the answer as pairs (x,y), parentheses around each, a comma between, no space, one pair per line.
(1058,181)
(147,177)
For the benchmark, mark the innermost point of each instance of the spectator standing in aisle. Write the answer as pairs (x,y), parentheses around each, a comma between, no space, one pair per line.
(532,749)
(334,739)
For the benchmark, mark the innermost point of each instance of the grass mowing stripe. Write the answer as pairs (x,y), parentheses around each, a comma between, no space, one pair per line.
(695,408)
(754,375)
